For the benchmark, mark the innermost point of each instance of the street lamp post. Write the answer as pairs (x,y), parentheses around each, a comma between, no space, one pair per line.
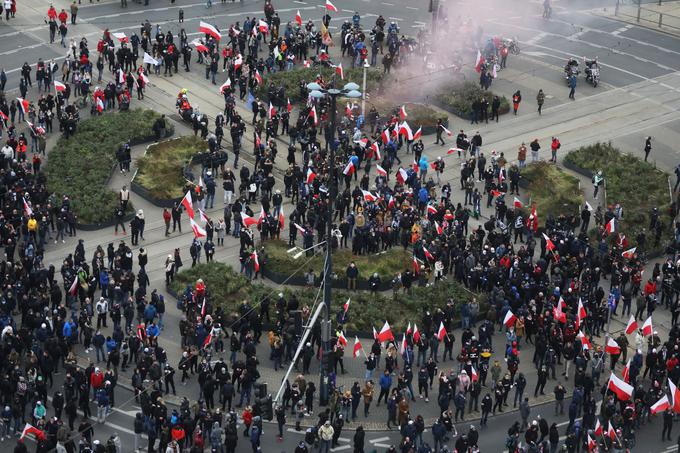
(349,90)
(363,90)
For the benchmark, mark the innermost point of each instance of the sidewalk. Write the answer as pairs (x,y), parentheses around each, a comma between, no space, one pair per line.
(664,17)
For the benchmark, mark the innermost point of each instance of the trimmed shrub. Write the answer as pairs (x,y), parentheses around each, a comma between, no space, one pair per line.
(458,98)
(553,190)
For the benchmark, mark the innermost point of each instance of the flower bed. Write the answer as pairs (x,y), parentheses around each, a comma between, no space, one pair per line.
(458,98)
(81,165)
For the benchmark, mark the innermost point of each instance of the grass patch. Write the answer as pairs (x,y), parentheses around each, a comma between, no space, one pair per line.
(290,80)
(231,289)
(553,190)
(386,265)
(418,114)
(160,170)
(631,182)
(81,165)
(458,98)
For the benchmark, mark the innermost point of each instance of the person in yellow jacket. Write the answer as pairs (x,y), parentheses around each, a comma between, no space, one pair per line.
(33,228)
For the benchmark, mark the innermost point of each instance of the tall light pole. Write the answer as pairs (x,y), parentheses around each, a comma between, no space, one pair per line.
(363,89)
(350,90)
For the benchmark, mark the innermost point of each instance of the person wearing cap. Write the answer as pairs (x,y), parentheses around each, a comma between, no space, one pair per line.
(326,432)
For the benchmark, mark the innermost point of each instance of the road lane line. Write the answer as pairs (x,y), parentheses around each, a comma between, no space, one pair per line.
(379,439)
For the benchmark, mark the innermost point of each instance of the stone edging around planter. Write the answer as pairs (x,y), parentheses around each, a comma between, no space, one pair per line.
(576,169)
(338,283)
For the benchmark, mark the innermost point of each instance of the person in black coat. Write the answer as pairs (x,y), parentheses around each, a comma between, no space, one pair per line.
(359,436)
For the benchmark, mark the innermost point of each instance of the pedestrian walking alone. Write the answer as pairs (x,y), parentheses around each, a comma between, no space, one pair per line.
(516,99)
(648,147)
(540,99)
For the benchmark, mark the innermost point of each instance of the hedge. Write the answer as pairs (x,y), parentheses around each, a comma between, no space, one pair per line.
(81,165)
(552,190)
(418,114)
(230,289)
(290,80)
(159,171)
(458,98)
(631,182)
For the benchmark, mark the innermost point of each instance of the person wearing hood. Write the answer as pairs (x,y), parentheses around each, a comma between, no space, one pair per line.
(39,412)
(216,437)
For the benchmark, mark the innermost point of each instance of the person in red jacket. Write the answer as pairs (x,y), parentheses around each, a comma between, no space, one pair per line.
(63,16)
(650,287)
(52,13)
(96,380)
(167,217)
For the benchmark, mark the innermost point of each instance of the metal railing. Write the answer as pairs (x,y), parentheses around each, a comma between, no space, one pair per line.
(633,9)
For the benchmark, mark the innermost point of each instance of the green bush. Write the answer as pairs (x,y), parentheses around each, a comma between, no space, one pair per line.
(458,98)
(552,190)
(290,80)
(81,165)
(160,170)
(418,114)
(631,182)
(230,289)
(385,265)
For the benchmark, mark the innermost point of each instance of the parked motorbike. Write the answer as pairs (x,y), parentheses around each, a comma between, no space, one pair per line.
(512,44)
(592,72)
(571,68)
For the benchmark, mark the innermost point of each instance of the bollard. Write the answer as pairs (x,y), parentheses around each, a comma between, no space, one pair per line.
(660,19)
(638,14)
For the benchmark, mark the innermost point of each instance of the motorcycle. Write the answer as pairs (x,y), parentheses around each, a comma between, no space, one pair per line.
(512,44)
(592,72)
(571,69)
(184,108)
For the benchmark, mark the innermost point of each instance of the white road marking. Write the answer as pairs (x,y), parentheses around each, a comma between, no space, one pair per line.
(388,4)
(412,8)
(396,18)
(380,439)
(342,447)
(300,2)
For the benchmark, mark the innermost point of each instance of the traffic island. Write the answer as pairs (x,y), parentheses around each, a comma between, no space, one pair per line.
(162,172)
(554,192)
(459,97)
(81,166)
(634,185)
(231,290)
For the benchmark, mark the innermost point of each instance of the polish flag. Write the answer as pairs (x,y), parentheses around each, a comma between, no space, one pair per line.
(375,334)
(310,176)
(416,333)
(591,443)
(611,432)
(225,85)
(30,429)
(27,208)
(612,347)
(73,290)
(416,266)
(454,150)
(517,203)
(628,254)
(385,136)
(549,246)
(100,105)
(406,131)
(238,62)
(121,76)
(331,7)
(632,325)
(409,331)
(345,306)
(598,428)
(349,169)
(340,72)
(299,228)
(474,376)
(120,36)
(441,333)
(23,105)
(368,196)
(438,228)
(381,171)
(611,226)
(282,219)
(589,207)
(298,18)
(199,232)
(341,339)
(585,342)
(264,27)
(675,396)
(402,176)
(248,221)
(402,344)
(289,106)
(209,29)
(262,216)
(581,310)
(306,64)
(200,47)
(660,405)
(207,340)
(559,314)
(431,209)
(3,116)
(428,255)
(258,142)
(271,111)
(188,204)
(258,77)
(418,134)
(58,86)
(622,390)
(144,77)
(479,61)
(625,373)
(312,114)
(448,132)
(509,319)
(357,347)
(647,329)
(385,333)
(402,113)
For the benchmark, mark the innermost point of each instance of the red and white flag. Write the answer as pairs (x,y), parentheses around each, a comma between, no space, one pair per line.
(632,325)
(405,130)
(262,216)
(622,390)
(431,209)
(23,105)
(448,132)
(628,254)
(263,27)
(144,77)
(289,106)
(402,176)
(345,306)
(473,374)
(647,328)
(207,340)
(27,208)
(120,36)
(509,319)
(73,290)
(612,347)
(479,61)
(585,342)
(100,105)
(438,228)
(306,64)
(581,310)
(299,228)
(357,347)
(416,266)
(342,339)
(381,171)
(258,77)
(238,62)
(226,85)
(441,333)
(340,72)
(611,432)
(331,7)
(675,396)
(32,430)
(349,169)
(310,176)
(385,136)
(591,443)
(418,134)
(454,150)
(313,115)
(558,313)
(598,428)
(58,86)
(402,113)
(256,261)
(271,111)
(248,221)
(549,246)
(625,373)
(200,47)
(298,18)
(198,230)
(121,76)
(368,196)
(282,219)
(517,203)
(385,333)
(209,29)
(611,226)
(660,405)
(402,344)
(188,204)
(416,333)
(375,333)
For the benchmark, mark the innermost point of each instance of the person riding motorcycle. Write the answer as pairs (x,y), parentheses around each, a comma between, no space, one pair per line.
(571,68)
(592,71)
(393,28)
